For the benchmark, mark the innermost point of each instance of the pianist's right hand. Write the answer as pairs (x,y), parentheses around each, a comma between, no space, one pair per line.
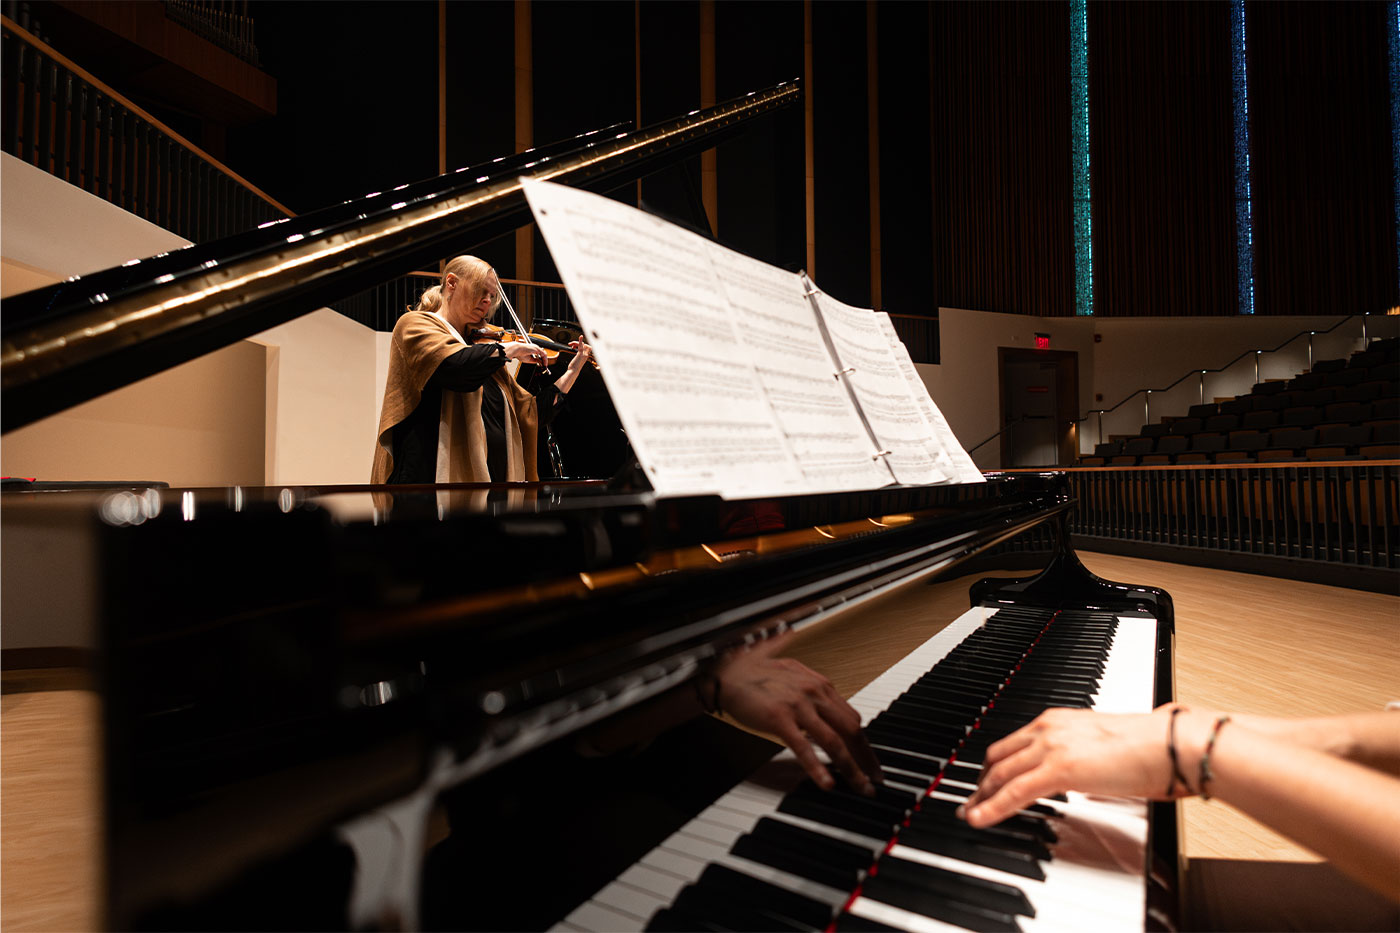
(790,701)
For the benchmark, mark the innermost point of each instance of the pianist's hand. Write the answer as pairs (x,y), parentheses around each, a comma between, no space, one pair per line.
(1063,749)
(788,700)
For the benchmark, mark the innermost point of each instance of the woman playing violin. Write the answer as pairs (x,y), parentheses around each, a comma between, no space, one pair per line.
(452,413)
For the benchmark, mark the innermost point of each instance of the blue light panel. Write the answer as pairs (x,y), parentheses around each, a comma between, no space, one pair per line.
(1079,156)
(1244,215)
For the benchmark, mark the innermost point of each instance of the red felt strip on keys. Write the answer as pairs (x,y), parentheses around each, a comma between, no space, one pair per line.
(874,868)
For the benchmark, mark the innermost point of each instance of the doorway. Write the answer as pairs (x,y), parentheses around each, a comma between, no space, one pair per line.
(1039,402)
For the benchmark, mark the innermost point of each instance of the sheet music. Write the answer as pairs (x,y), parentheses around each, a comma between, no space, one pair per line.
(950,456)
(686,391)
(775,323)
(721,366)
(883,392)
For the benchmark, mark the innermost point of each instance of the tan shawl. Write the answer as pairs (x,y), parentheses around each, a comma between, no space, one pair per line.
(421,342)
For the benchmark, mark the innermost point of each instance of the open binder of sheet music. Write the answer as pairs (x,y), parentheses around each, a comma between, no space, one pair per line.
(732,376)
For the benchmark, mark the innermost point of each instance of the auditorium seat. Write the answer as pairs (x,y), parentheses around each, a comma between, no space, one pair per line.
(1108,448)
(1381,452)
(1156,460)
(1201,411)
(1329,366)
(1193,456)
(1155,430)
(1348,377)
(1208,442)
(1276,455)
(1320,397)
(1234,456)
(1296,438)
(1236,406)
(1329,453)
(1270,388)
(1344,435)
(1137,446)
(1385,372)
(1384,408)
(1350,412)
(1268,403)
(1222,422)
(1187,426)
(1365,392)
(1259,419)
(1123,460)
(1173,444)
(1301,416)
(1247,440)
(1306,381)
(1384,430)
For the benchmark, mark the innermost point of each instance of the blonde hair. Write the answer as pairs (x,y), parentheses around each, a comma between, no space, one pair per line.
(472,274)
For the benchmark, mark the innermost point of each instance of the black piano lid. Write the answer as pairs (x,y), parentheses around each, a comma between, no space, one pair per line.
(70,342)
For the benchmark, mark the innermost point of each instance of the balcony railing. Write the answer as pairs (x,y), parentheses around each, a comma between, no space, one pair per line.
(1334,522)
(68,123)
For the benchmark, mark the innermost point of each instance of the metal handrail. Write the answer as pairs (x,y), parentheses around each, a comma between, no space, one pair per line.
(1203,372)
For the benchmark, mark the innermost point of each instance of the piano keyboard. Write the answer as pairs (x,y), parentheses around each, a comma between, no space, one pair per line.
(777,853)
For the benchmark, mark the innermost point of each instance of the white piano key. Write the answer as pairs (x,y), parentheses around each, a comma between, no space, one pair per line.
(899,918)
(626,899)
(1096,879)
(596,918)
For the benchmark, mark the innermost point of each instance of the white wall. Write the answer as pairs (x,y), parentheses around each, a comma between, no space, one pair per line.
(295,404)
(1132,354)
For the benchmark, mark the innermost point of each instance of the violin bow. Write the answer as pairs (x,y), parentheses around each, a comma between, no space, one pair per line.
(515,319)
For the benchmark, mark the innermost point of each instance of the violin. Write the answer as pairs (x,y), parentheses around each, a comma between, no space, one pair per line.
(491,333)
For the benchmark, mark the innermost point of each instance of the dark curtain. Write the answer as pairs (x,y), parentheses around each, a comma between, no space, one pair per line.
(1324,221)
(1161,156)
(1000,114)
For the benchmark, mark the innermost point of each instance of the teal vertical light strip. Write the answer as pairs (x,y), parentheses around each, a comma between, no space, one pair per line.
(1244,197)
(1079,156)
(1394,36)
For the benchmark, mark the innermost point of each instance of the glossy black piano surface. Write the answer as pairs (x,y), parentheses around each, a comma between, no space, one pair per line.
(276,661)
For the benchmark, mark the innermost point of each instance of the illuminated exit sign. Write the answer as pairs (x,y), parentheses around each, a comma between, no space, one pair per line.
(1042,341)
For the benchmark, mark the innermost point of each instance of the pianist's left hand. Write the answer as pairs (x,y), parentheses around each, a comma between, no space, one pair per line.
(792,702)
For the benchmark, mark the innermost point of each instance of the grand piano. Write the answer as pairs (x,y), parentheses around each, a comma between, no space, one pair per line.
(372,707)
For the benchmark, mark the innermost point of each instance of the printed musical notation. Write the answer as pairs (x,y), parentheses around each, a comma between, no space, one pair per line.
(725,374)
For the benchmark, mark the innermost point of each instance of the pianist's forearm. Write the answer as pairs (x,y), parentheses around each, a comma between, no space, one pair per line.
(1371,739)
(1348,813)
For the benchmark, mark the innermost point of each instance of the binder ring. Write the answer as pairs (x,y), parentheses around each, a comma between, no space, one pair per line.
(877,456)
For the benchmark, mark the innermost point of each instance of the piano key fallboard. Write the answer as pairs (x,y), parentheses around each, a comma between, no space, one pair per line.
(778,853)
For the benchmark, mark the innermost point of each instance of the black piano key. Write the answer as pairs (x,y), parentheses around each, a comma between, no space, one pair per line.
(934,808)
(979,853)
(832,813)
(895,808)
(938,906)
(835,851)
(916,764)
(773,899)
(718,911)
(992,895)
(998,837)
(808,865)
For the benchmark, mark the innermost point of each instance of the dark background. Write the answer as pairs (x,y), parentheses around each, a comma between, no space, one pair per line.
(974,130)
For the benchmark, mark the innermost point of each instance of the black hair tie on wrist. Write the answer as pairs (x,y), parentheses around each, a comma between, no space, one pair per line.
(1177,776)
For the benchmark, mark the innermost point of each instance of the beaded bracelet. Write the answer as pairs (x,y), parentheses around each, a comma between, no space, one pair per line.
(1206,776)
(1171,752)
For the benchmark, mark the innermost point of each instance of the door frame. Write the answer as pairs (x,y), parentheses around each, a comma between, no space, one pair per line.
(1066,398)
